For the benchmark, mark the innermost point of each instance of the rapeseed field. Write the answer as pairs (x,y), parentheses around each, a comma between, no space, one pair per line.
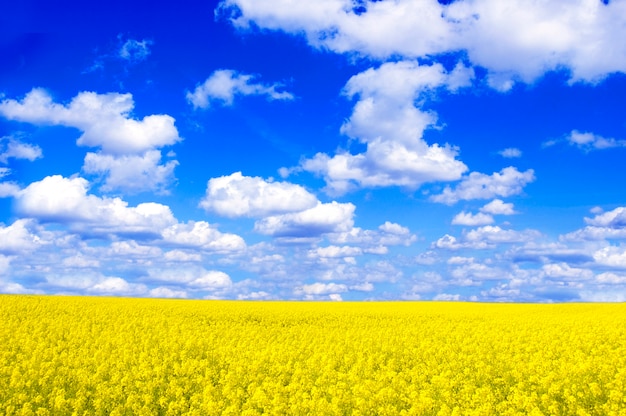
(112,356)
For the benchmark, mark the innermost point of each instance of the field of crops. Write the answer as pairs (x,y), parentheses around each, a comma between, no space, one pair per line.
(106,356)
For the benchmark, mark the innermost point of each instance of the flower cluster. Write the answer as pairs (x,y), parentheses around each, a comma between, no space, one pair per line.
(107,356)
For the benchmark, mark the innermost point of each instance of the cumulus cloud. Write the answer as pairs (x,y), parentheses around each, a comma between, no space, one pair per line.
(244,196)
(145,170)
(7,188)
(225,84)
(611,256)
(64,200)
(604,225)
(321,289)
(510,153)
(200,234)
(386,119)
(509,181)
(17,238)
(467,218)
(375,241)
(16,149)
(104,120)
(323,218)
(590,141)
(117,286)
(519,40)
(565,271)
(498,207)
(488,236)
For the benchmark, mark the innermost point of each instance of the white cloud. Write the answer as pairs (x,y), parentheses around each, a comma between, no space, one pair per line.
(224,84)
(363,287)
(131,173)
(590,141)
(447,297)
(485,237)
(132,249)
(615,218)
(386,119)
(497,235)
(8,188)
(200,234)
(561,271)
(611,278)
(12,148)
(468,273)
(104,120)
(17,238)
(509,181)
(498,207)
(166,292)
(603,296)
(322,219)
(516,40)
(117,286)
(134,50)
(321,289)
(211,280)
(611,256)
(510,152)
(373,241)
(604,225)
(182,256)
(467,218)
(64,200)
(237,195)
(335,252)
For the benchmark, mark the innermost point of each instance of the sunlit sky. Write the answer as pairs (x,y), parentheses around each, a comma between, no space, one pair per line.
(314,150)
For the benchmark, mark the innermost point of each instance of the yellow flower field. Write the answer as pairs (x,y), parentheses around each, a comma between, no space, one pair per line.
(109,356)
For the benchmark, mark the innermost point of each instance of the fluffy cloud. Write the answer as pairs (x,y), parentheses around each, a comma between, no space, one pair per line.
(611,256)
(17,238)
(510,152)
(321,289)
(211,280)
(563,270)
(332,217)
(498,207)
(467,218)
(12,148)
(589,141)
(64,200)
(509,181)
(375,241)
(519,40)
(386,119)
(237,195)
(607,225)
(200,234)
(335,252)
(224,84)
(145,170)
(485,237)
(485,216)
(127,144)
(103,119)
(497,235)
(117,286)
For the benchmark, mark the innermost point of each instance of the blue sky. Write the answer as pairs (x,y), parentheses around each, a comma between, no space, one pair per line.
(328,150)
